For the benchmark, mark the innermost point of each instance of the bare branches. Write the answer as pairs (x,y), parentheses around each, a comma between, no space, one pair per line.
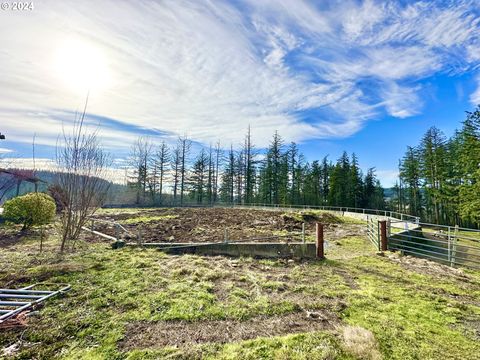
(139,161)
(82,165)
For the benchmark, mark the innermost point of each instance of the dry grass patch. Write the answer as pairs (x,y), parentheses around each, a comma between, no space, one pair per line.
(361,342)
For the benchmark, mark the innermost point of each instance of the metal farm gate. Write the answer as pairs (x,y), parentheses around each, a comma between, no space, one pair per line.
(373,231)
(449,245)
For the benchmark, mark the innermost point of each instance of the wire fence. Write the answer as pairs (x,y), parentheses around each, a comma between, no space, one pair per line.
(376,212)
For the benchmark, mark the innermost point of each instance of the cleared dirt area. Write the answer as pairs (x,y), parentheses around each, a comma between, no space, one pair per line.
(140,335)
(209,224)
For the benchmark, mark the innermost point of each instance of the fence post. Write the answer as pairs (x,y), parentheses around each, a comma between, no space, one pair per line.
(93,225)
(225,237)
(450,246)
(303,233)
(454,247)
(383,235)
(320,249)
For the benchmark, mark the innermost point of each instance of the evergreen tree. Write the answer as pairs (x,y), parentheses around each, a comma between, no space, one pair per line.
(356,183)
(340,184)
(410,173)
(199,178)
(325,176)
(370,192)
(227,186)
(433,154)
(469,159)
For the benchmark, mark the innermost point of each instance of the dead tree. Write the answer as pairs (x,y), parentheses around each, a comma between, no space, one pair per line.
(162,157)
(82,166)
(185,146)
(216,172)
(176,162)
(139,162)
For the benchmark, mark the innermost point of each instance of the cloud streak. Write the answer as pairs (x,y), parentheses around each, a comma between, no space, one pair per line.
(211,68)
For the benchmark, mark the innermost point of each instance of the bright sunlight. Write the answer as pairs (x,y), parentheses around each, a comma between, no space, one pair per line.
(82,67)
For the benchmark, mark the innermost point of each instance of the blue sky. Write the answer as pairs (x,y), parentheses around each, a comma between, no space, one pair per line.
(367,77)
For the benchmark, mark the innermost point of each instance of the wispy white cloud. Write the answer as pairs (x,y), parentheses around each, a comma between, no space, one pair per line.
(401,101)
(211,68)
(475,96)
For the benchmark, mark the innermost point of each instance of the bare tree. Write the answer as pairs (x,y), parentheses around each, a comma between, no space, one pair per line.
(211,169)
(216,172)
(176,163)
(82,166)
(162,157)
(250,167)
(185,146)
(139,161)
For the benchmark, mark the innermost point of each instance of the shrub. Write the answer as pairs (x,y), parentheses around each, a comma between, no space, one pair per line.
(30,210)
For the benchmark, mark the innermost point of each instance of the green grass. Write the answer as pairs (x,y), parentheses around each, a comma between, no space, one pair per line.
(147,219)
(135,210)
(329,216)
(411,315)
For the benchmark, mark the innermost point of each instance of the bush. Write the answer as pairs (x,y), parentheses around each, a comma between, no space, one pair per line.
(30,210)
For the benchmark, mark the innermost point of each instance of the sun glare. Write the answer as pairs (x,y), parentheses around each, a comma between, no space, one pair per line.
(82,67)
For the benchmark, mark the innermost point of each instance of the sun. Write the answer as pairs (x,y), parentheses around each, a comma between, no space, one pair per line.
(82,67)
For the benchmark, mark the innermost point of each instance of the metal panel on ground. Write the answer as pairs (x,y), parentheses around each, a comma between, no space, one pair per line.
(14,301)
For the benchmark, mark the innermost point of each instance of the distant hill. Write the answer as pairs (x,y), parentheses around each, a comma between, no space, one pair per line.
(118,193)
(389,193)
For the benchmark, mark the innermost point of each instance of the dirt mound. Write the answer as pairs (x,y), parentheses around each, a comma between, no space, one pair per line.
(212,224)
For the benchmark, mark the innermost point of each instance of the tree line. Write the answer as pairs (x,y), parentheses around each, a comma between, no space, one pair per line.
(173,175)
(440,177)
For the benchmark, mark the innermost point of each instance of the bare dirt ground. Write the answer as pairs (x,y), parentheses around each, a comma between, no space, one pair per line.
(185,333)
(11,235)
(209,224)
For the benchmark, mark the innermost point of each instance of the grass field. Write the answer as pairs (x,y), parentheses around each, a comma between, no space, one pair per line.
(142,304)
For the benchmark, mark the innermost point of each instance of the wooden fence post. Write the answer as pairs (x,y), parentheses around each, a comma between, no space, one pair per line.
(383,235)
(320,248)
